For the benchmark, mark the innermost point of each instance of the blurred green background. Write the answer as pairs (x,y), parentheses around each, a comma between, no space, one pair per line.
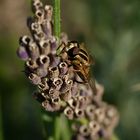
(111,31)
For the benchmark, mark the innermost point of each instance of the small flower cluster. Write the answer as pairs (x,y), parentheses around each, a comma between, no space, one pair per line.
(58,85)
(98,123)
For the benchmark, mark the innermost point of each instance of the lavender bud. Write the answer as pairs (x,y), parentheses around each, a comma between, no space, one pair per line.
(33,50)
(94,136)
(43,85)
(111,118)
(34,79)
(31,64)
(57,82)
(47,105)
(94,127)
(99,114)
(22,53)
(42,71)
(84,130)
(39,35)
(67,84)
(63,68)
(37,4)
(25,40)
(83,100)
(73,103)
(48,12)
(45,47)
(54,60)
(66,96)
(111,112)
(35,27)
(53,72)
(56,100)
(56,107)
(69,113)
(99,88)
(40,15)
(47,28)
(79,113)
(99,92)
(89,91)
(53,93)
(54,44)
(75,90)
(44,61)
(66,77)
(106,122)
(90,111)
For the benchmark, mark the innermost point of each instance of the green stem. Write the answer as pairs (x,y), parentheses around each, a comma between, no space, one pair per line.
(65,132)
(62,131)
(48,122)
(114,137)
(52,123)
(1,130)
(57,129)
(57,18)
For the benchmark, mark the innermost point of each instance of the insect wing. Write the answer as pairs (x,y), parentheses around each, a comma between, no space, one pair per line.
(60,49)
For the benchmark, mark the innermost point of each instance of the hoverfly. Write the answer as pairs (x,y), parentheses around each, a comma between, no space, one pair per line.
(78,57)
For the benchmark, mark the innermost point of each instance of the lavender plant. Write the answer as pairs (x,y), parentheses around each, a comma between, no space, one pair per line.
(52,63)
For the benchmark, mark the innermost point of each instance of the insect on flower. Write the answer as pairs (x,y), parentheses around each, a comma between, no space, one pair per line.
(78,57)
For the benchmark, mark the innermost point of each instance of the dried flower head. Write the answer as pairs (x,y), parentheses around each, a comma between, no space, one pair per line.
(60,70)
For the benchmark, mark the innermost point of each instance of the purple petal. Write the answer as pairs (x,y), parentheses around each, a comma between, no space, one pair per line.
(22,53)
